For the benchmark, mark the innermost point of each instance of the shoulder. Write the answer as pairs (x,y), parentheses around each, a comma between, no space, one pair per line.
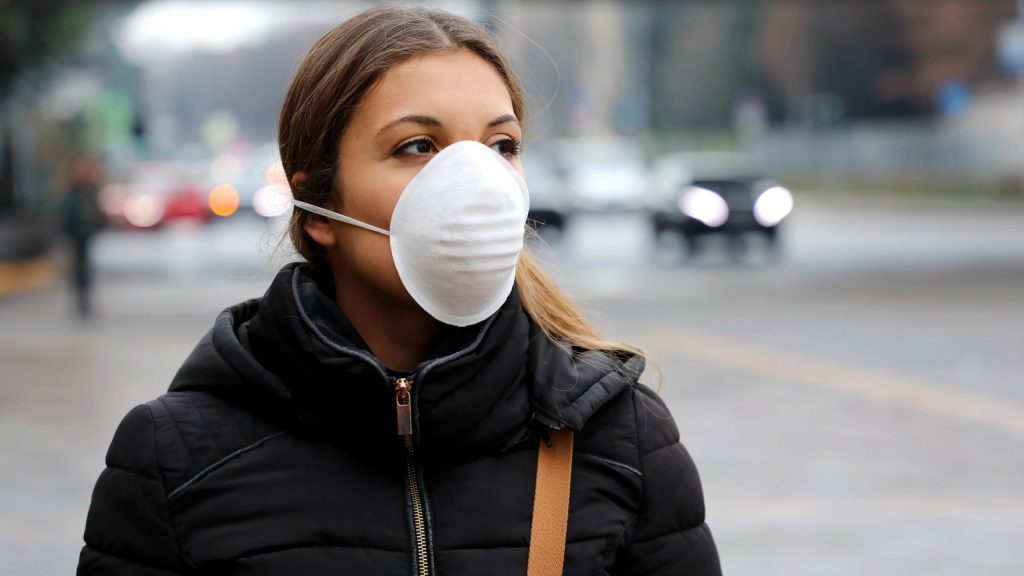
(669,533)
(159,447)
(656,429)
(667,465)
(180,434)
(631,426)
(636,428)
(639,413)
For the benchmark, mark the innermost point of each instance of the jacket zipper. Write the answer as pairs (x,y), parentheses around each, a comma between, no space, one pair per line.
(403,406)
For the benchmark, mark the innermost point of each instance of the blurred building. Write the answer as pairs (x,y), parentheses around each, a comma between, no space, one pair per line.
(837,88)
(883,59)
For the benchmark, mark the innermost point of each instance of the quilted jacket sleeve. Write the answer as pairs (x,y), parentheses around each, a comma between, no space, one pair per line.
(669,536)
(128,530)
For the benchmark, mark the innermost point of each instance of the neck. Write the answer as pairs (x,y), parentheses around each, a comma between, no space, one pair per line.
(399,335)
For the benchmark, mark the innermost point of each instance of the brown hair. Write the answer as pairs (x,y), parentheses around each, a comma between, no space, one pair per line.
(330,82)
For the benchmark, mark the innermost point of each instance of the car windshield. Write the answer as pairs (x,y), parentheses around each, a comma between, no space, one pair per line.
(730,189)
(722,184)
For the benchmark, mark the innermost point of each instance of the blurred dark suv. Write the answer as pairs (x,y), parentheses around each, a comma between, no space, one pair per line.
(707,194)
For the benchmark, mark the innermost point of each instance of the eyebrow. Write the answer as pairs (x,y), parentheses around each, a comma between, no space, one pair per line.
(434,122)
(503,119)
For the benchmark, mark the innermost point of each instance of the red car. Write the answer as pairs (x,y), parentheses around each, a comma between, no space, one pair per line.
(154,195)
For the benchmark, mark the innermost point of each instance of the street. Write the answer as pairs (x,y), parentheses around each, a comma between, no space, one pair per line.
(854,408)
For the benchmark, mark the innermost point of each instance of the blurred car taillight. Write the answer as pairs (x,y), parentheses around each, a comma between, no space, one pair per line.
(154,195)
(187,203)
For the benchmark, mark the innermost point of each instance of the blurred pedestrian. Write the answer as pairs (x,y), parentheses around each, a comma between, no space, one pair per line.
(81,220)
(417,396)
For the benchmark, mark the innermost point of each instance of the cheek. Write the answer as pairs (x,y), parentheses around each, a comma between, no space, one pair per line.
(369,191)
(517,163)
(370,252)
(371,196)
(366,257)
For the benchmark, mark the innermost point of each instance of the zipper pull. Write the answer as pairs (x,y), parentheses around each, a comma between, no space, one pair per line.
(403,407)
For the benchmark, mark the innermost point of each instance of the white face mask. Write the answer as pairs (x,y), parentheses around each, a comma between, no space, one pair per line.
(456,232)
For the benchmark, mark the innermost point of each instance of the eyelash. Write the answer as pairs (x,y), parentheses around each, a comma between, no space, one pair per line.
(398,150)
(516,146)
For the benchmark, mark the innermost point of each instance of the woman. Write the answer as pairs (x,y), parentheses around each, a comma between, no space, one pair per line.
(380,409)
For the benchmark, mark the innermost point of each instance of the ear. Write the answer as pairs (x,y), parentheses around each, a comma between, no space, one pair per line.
(318,227)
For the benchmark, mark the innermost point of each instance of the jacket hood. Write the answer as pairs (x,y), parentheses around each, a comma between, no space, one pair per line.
(294,356)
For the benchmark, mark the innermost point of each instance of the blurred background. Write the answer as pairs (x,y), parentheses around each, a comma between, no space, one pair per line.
(810,212)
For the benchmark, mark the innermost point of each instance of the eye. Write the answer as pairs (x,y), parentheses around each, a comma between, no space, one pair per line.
(416,147)
(508,147)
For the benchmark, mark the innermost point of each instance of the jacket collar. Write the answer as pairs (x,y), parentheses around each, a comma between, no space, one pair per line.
(295,352)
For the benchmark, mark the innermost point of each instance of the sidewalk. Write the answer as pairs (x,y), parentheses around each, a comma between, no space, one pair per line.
(28,275)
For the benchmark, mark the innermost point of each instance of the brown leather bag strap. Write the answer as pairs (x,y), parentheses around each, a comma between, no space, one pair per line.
(551,505)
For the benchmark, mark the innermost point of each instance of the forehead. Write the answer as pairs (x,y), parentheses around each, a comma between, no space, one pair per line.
(438,83)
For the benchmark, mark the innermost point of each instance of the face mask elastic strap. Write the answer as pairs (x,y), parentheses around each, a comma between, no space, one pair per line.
(339,217)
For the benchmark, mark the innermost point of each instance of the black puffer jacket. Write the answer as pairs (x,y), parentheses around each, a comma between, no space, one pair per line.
(275,452)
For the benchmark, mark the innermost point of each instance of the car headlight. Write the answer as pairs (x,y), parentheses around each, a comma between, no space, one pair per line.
(272,201)
(704,205)
(773,205)
(143,210)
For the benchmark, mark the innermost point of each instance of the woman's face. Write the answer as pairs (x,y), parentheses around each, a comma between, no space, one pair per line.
(418,107)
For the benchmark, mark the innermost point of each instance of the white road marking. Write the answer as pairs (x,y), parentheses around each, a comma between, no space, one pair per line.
(855,381)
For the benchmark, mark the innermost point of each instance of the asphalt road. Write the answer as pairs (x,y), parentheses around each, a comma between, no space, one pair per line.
(855,408)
